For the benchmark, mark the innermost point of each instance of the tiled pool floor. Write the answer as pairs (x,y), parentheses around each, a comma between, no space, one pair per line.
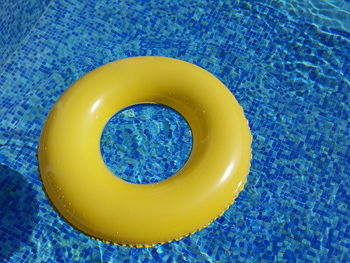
(288,65)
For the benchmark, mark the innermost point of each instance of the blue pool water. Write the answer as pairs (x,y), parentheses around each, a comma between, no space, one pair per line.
(286,62)
(146,143)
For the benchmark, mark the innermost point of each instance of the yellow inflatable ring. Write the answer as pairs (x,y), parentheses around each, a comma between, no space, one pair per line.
(95,201)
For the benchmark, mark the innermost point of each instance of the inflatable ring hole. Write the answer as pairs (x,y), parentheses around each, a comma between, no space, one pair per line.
(146,143)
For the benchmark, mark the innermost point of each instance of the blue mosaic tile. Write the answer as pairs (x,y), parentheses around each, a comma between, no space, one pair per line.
(17,18)
(146,143)
(286,62)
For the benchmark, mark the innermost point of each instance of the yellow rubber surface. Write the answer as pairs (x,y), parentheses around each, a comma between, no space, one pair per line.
(90,197)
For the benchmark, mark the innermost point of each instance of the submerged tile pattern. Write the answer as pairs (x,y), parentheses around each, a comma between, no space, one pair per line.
(146,143)
(17,18)
(288,67)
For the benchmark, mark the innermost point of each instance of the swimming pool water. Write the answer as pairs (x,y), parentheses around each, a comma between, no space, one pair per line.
(286,62)
(146,143)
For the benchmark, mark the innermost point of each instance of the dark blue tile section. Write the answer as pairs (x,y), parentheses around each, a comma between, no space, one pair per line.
(287,63)
(17,18)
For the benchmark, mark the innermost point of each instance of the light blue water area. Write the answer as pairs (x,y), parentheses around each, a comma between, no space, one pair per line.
(286,62)
(146,143)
